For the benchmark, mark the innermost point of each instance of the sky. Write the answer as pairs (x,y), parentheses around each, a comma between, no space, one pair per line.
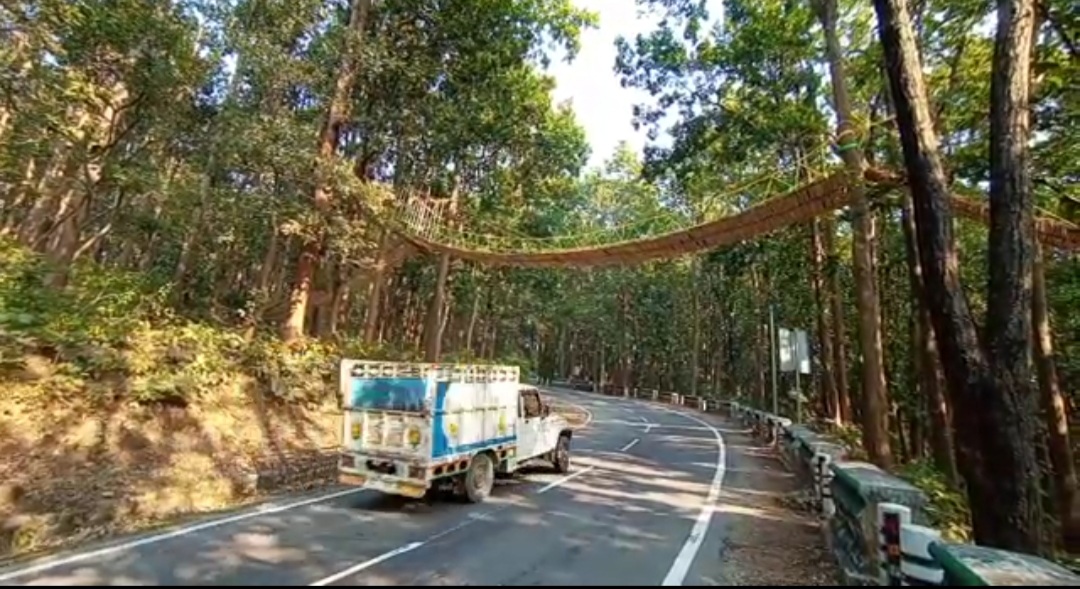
(603,107)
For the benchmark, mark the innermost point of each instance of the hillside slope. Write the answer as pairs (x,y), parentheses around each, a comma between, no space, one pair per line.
(115,414)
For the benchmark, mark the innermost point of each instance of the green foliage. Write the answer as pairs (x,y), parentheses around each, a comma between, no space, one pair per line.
(107,336)
(99,307)
(947,507)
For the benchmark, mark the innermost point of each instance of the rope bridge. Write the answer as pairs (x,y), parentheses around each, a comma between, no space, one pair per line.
(421,223)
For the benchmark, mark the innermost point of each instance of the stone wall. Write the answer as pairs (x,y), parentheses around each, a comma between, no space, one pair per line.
(295,471)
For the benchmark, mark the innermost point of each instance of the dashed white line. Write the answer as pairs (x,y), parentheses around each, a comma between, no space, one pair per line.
(366,564)
(681,567)
(473,518)
(633,443)
(266,509)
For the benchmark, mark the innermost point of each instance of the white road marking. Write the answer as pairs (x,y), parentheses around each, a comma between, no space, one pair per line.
(630,445)
(588,416)
(564,480)
(473,518)
(266,509)
(681,567)
(367,564)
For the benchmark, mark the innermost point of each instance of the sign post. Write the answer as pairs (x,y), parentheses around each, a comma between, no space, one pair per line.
(795,357)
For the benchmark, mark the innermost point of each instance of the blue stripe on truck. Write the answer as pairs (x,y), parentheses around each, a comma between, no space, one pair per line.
(388,394)
(467,448)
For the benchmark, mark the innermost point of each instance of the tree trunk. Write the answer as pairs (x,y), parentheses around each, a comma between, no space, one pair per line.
(874,390)
(836,317)
(927,367)
(695,353)
(825,354)
(337,112)
(379,281)
(993,412)
(472,321)
(433,322)
(760,337)
(1054,410)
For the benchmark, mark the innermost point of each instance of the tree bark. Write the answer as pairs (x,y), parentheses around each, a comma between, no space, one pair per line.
(927,366)
(825,355)
(1054,410)
(836,317)
(695,352)
(433,322)
(993,412)
(874,389)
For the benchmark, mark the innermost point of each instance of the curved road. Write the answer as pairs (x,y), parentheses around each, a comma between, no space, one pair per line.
(637,508)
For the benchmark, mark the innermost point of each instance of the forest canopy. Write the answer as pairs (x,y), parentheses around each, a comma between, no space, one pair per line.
(203,184)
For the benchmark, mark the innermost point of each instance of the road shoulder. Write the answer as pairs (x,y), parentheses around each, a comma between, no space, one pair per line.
(769,540)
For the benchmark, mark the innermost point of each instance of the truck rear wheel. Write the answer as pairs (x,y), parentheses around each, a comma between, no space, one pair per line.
(560,456)
(479,479)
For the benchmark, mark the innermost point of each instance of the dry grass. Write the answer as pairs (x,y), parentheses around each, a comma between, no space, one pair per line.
(78,472)
(75,472)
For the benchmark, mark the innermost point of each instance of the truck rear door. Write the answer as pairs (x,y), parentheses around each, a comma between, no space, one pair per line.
(386,415)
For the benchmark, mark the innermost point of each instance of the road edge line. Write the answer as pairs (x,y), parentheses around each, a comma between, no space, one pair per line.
(680,568)
(266,509)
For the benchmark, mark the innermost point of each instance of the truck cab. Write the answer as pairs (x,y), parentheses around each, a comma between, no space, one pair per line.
(542,434)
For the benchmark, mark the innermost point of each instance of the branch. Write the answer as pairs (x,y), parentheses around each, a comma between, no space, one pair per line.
(1059,28)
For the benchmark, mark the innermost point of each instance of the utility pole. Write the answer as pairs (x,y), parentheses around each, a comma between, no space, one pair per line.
(798,370)
(773,358)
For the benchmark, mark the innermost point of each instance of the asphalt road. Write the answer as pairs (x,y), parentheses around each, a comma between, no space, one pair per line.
(637,508)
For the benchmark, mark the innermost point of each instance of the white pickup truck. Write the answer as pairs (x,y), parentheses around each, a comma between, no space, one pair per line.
(410,428)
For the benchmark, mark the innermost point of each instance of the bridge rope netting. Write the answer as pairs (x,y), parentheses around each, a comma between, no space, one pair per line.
(812,188)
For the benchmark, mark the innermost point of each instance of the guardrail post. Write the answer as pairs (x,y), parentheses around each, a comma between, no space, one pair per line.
(890,519)
(825,472)
(917,566)
(655,395)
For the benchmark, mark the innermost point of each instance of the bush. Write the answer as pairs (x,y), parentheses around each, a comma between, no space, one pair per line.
(947,507)
(109,336)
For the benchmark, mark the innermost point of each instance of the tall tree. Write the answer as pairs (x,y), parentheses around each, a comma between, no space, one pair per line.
(875,414)
(994,410)
(337,110)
